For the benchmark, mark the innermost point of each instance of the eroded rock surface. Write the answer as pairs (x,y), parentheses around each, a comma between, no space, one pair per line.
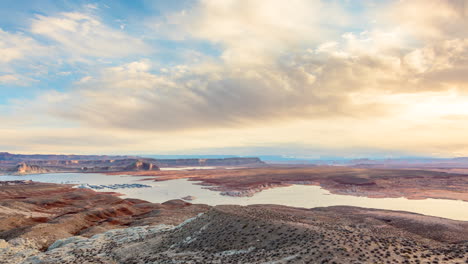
(46,212)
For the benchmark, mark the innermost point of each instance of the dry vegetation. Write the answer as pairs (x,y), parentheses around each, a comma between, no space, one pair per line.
(44,213)
(277,234)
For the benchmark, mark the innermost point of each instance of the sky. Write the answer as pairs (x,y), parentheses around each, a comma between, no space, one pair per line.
(309,78)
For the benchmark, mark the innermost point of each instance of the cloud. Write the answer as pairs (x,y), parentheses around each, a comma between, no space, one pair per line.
(443,65)
(56,43)
(81,34)
(132,97)
(429,19)
(8,78)
(295,73)
(61,140)
(20,56)
(251,32)
(18,46)
(436,41)
(346,77)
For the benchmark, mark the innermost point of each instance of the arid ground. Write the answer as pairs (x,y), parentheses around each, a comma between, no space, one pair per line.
(409,183)
(52,223)
(46,212)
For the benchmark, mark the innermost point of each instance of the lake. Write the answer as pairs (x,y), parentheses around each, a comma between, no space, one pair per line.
(296,195)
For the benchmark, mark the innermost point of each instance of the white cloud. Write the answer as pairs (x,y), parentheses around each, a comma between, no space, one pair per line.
(299,77)
(288,73)
(64,73)
(19,51)
(18,46)
(92,6)
(428,19)
(8,78)
(251,32)
(85,79)
(80,34)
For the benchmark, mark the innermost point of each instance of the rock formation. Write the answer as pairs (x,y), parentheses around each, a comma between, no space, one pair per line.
(96,164)
(45,212)
(23,168)
(189,198)
(141,165)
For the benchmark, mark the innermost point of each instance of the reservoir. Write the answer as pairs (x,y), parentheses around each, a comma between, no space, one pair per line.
(306,196)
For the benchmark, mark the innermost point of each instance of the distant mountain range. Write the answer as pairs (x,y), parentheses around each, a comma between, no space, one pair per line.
(19,163)
(402,162)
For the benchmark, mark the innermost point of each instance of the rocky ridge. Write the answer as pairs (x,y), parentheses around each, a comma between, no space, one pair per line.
(267,234)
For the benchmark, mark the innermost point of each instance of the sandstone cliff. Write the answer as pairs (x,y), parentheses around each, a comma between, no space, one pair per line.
(141,165)
(96,164)
(24,168)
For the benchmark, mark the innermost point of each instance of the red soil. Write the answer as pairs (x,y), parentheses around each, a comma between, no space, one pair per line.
(53,211)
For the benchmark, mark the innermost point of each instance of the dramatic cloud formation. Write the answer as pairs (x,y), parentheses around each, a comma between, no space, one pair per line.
(299,73)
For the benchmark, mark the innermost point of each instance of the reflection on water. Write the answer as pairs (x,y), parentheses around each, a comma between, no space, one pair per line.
(187,168)
(296,195)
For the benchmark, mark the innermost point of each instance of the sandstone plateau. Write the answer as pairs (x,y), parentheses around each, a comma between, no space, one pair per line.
(32,164)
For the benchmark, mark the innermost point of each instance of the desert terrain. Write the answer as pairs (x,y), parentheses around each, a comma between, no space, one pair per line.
(247,176)
(58,223)
(233,131)
(369,182)
(46,212)
(51,223)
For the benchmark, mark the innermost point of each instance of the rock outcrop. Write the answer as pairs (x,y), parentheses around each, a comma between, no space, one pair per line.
(189,198)
(141,166)
(46,212)
(23,168)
